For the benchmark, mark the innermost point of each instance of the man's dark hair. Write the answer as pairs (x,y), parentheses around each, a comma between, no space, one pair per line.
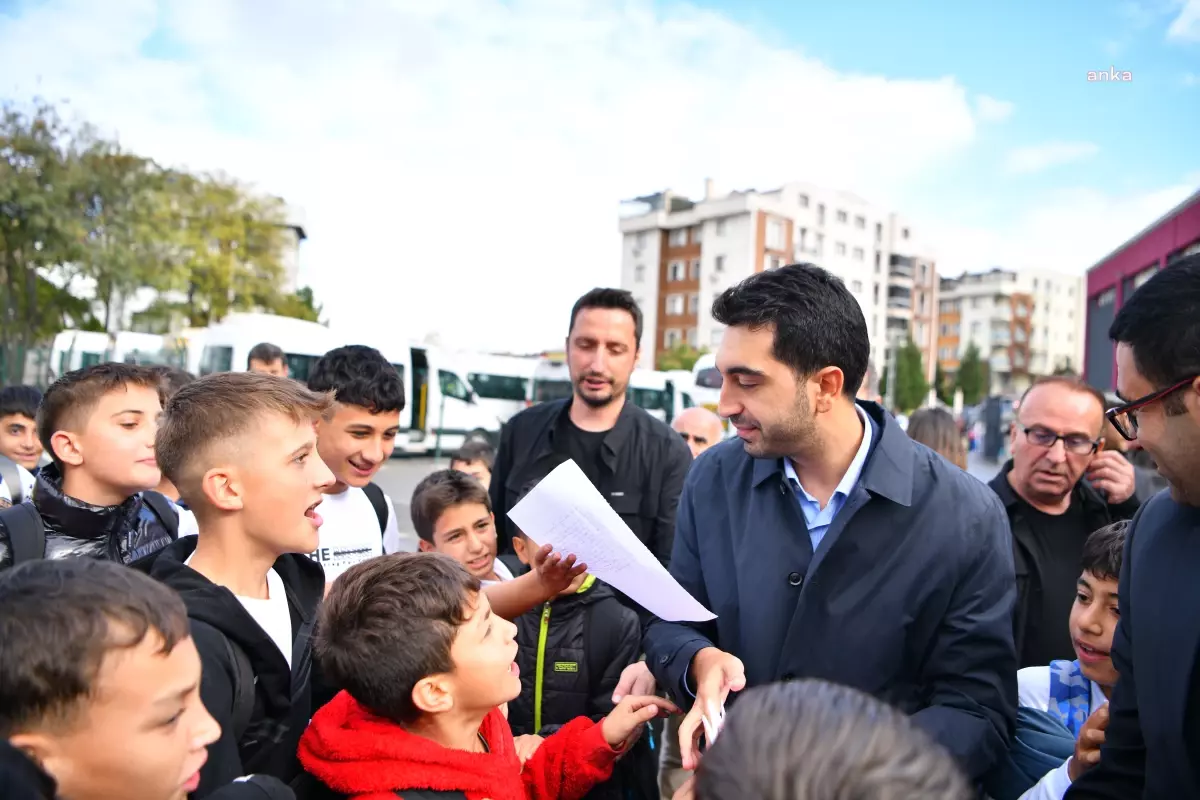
(1103,550)
(817,322)
(359,376)
(71,399)
(173,378)
(389,622)
(1161,324)
(59,618)
(616,299)
(265,353)
(475,450)
(441,491)
(22,400)
(812,740)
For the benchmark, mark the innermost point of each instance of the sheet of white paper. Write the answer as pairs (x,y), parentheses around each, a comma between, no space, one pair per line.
(566,512)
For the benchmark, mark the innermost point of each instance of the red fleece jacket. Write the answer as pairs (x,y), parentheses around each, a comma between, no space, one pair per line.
(354,752)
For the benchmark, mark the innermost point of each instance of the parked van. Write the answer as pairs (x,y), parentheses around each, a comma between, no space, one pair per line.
(227,344)
(73,349)
(501,383)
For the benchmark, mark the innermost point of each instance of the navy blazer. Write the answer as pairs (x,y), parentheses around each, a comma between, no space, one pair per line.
(909,596)
(1152,744)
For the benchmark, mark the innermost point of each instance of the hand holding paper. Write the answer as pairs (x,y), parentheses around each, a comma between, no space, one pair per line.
(566,512)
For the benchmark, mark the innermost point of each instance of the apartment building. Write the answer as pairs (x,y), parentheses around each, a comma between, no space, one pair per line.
(1025,324)
(678,254)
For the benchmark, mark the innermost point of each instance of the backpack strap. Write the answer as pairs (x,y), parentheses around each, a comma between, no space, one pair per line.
(378,502)
(164,510)
(1070,695)
(242,690)
(10,476)
(26,532)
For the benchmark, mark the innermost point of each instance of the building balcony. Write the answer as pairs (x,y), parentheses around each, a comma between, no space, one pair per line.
(899,304)
(897,273)
(1000,363)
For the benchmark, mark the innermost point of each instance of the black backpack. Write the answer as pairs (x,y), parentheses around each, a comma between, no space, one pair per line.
(27,534)
(379,503)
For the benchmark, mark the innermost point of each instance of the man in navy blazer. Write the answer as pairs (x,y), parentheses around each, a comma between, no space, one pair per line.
(828,543)
(1152,743)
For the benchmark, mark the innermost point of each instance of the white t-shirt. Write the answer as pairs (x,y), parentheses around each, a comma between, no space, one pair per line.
(1033,691)
(272,614)
(502,572)
(350,531)
(27,484)
(187,521)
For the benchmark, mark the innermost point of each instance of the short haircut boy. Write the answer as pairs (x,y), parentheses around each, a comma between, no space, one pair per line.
(1104,549)
(441,491)
(359,376)
(71,399)
(20,401)
(265,353)
(18,425)
(96,664)
(812,740)
(473,451)
(388,623)
(206,416)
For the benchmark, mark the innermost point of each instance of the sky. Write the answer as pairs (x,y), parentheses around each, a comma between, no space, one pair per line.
(460,165)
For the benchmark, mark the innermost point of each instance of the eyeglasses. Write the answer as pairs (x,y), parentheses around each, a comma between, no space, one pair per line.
(1124,417)
(1074,443)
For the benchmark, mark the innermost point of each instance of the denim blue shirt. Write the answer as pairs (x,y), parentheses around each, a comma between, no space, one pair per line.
(819,519)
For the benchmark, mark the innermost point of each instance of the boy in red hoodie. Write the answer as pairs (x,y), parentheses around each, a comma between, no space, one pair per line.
(425,667)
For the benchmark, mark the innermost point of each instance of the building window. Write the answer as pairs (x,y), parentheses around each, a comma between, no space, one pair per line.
(674,305)
(839,248)
(877,293)
(719,264)
(859,255)
(819,245)
(803,200)
(696,231)
(924,273)
(714,338)
(860,222)
(640,240)
(801,235)
(820,213)
(856,286)
(696,270)
(639,273)
(671,338)
(676,271)
(678,237)
(693,338)
(842,216)
(771,262)
(693,303)
(904,233)
(879,231)
(719,227)
(775,234)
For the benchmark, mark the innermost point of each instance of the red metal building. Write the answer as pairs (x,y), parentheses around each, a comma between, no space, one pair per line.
(1174,236)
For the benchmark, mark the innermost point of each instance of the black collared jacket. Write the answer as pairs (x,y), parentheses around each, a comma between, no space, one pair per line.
(644,461)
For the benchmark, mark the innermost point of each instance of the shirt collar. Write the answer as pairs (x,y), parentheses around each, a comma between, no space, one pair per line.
(853,472)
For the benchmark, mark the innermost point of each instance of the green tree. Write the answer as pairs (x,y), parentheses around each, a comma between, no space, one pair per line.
(943,386)
(300,305)
(42,232)
(681,356)
(911,386)
(972,375)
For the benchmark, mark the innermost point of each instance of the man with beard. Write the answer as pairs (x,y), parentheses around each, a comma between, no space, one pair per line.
(636,461)
(828,543)
(1060,485)
(1152,743)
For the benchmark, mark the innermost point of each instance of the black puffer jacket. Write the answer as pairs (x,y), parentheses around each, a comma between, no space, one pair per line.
(123,533)
(569,671)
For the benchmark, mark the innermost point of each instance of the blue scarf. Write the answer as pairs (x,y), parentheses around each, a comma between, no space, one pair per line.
(1070,695)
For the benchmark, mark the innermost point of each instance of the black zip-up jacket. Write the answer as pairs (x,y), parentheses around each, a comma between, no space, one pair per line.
(1096,513)
(557,684)
(283,702)
(644,463)
(121,533)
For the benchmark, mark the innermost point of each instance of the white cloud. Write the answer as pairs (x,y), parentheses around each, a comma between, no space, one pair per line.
(1066,231)
(1191,79)
(990,109)
(1186,26)
(461,164)
(1036,158)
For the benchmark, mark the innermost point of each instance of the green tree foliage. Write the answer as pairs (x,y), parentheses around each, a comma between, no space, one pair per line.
(972,376)
(681,356)
(80,214)
(943,386)
(911,386)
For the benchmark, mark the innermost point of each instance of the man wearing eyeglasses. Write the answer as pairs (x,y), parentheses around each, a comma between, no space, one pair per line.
(1060,485)
(1152,743)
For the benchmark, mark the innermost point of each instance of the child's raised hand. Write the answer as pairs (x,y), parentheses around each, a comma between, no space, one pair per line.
(624,725)
(554,571)
(1087,746)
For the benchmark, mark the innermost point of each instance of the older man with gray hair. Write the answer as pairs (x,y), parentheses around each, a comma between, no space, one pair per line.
(700,428)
